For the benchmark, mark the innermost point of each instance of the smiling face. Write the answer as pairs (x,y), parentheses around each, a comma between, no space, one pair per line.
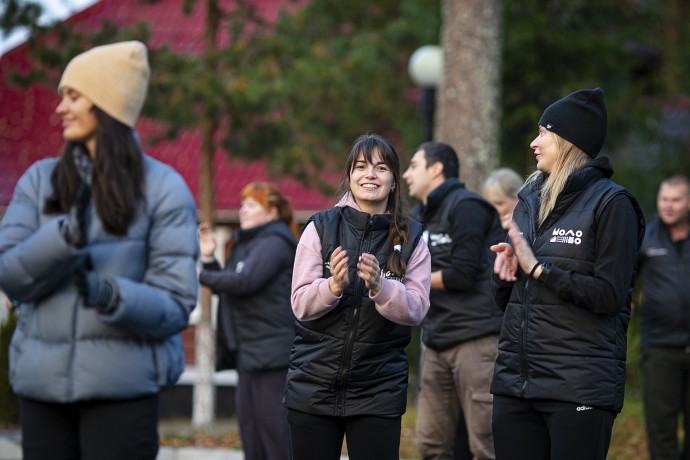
(545,150)
(79,122)
(371,182)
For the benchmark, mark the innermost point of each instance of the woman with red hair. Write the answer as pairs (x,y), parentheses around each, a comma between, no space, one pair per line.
(255,320)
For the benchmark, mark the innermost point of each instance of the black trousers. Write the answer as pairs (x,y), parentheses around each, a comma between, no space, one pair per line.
(666,394)
(317,437)
(90,430)
(542,430)
(262,416)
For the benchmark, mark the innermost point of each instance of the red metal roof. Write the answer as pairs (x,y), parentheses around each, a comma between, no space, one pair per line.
(30,130)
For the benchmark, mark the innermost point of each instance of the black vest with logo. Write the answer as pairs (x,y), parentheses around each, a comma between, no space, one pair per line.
(549,348)
(351,361)
(457,316)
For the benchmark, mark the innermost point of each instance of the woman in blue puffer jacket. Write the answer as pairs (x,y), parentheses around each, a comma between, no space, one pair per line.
(99,246)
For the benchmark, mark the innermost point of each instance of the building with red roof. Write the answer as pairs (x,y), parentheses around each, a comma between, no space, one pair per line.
(30,129)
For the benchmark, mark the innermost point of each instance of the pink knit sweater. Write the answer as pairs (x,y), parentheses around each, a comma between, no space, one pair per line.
(405,302)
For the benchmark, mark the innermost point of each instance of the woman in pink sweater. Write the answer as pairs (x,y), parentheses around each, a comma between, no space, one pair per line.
(361,279)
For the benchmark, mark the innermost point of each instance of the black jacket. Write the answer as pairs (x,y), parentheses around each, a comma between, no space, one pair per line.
(459,227)
(565,339)
(351,361)
(665,271)
(255,320)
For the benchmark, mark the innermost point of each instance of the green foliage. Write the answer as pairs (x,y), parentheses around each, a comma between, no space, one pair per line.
(633,381)
(49,59)
(326,73)
(17,14)
(552,48)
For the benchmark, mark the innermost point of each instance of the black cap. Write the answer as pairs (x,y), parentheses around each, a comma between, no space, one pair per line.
(579,118)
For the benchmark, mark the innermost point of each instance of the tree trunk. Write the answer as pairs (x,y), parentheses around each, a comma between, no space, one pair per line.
(468,99)
(203,412)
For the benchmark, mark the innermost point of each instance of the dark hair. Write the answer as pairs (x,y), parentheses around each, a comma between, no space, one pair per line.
(367,145)
(675,180)
(117,184)
(444,154)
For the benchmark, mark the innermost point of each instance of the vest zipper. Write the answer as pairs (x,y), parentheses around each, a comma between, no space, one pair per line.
(525,311)
(354,322)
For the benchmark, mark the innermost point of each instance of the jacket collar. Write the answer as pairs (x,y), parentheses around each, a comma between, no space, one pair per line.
(594,170)
(437,195)
(273,227)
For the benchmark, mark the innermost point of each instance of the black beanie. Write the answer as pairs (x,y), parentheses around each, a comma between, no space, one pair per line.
(579,118)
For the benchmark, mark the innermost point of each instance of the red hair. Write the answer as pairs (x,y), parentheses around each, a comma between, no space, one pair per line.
(268,196)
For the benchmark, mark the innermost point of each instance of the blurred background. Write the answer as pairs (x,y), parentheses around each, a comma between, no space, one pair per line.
(246,90)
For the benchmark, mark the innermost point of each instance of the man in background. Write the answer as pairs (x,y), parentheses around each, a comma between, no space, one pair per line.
(460,332)
(664,267)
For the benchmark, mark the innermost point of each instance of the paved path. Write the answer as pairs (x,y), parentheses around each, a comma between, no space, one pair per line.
(11,450)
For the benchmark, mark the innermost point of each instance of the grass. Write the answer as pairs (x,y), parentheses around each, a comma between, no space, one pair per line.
(628,439)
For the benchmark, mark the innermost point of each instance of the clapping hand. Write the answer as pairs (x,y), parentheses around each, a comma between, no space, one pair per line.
(510,256)
(369,271)
(523,250)
(339,279)
(505,265)
(207,241)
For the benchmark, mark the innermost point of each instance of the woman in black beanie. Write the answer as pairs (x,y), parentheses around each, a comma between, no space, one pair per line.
(564,280)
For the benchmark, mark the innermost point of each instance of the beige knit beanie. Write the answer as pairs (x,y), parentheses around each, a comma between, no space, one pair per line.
(114,77)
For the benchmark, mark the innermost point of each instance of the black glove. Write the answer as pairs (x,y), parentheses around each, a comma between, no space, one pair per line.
(74,227)
(96,291)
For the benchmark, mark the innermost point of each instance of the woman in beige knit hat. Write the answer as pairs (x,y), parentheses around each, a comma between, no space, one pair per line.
(99,247)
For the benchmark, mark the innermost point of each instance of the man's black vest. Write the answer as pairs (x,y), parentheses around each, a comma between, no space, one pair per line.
(457,316)
(665,270)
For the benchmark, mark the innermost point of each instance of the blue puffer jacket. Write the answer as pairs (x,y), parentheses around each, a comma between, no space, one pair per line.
(64,352)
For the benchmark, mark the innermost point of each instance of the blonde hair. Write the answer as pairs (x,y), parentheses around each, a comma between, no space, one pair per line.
(269,197)
(570,159)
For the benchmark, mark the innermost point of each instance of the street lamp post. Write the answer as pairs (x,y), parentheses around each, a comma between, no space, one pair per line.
(426,68)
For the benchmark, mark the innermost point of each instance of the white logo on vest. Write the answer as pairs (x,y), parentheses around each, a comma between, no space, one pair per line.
(435,239)
(560,235)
